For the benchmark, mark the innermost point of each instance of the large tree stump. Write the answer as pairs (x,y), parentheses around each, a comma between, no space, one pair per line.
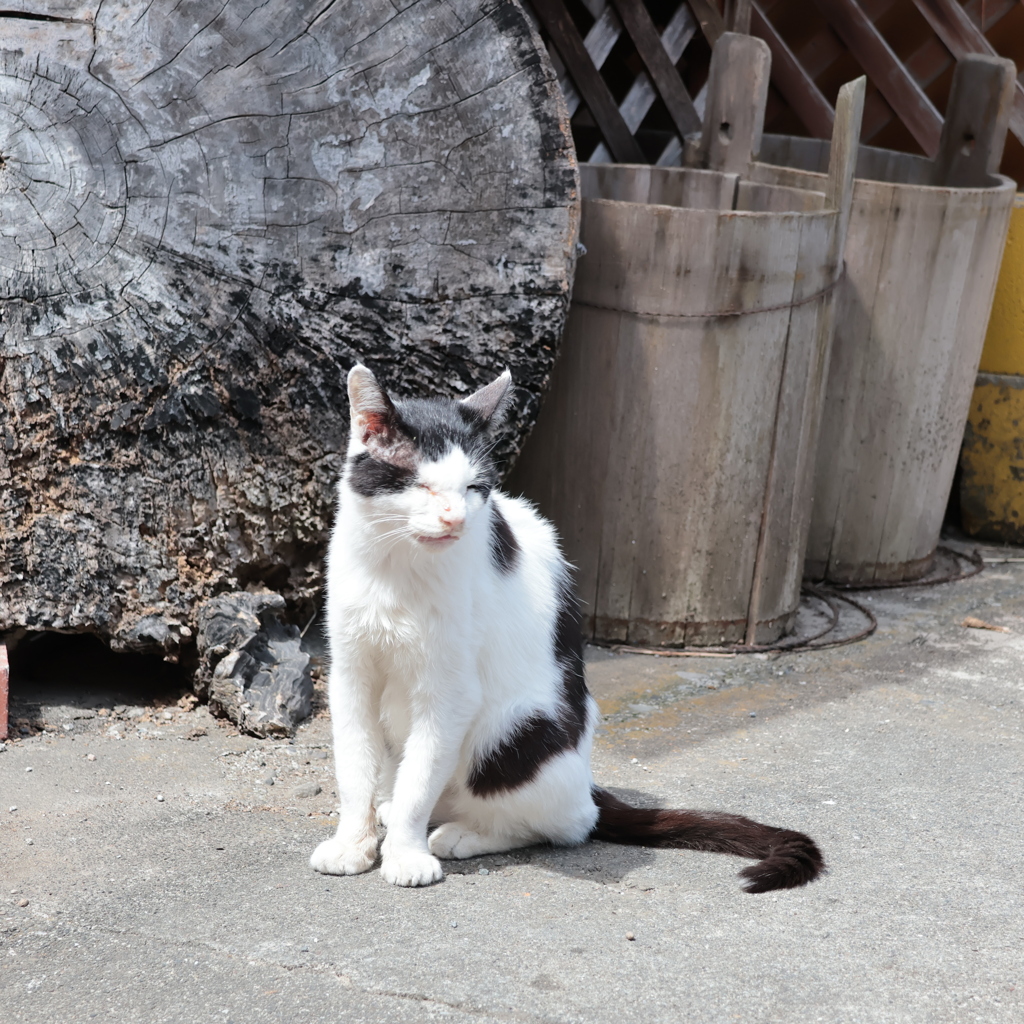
(208,212)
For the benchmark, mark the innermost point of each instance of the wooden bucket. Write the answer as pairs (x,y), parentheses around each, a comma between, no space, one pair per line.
(922,257)
(674,450)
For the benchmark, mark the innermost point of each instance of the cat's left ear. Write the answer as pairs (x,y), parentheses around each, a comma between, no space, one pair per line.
(493,401)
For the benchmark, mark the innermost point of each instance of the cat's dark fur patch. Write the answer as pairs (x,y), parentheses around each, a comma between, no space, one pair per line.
(569,655)
(518,759)
(504,546)
(415,430)
(369,476)
(786,858)
(437,425)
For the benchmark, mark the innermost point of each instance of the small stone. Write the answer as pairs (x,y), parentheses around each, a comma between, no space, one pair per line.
(319,755)
(305,791)
(28,769)
(268,781)
(483,871)
(90,757)
(159,799)
(12,808)
(68,726)
(22,903)
(630,937)
(167,716)
(455,924)
(633,760)
(304,949)
(753,714)
(30,842)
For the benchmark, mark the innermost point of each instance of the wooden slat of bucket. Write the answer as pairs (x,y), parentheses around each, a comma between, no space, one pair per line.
(787,507)
(848,414)
(964,270)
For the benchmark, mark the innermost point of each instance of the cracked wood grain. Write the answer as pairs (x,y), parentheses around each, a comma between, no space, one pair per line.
(209,209)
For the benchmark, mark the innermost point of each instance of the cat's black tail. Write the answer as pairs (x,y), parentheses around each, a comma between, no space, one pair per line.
(786,859)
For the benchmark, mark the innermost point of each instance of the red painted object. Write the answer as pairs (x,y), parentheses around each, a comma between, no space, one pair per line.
(5,674)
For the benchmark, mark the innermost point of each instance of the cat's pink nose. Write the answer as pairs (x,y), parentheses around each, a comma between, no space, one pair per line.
(451,520)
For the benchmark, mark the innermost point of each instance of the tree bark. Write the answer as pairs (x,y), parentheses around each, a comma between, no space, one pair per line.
(209,211)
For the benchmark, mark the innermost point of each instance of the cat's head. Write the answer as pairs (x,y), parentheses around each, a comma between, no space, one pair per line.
(423,465)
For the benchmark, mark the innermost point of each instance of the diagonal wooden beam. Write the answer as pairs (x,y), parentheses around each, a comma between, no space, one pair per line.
(961,36)
(662,70)
(885,69)
(598,42)
(736,15)
(598,98)
(796,85)
(711,22)
(681,28)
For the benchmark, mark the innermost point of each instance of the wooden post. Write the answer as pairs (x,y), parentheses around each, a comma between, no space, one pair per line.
(736,98)
(977,117)
(843,157)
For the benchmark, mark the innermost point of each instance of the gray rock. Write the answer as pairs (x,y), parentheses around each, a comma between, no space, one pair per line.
(305,791)
(252,667)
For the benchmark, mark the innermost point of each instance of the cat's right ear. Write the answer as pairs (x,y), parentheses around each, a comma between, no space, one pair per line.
(373,413)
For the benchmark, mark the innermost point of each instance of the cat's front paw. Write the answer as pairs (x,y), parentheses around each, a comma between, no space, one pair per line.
(338,857)
(444,841)
(451,841)
(411,867)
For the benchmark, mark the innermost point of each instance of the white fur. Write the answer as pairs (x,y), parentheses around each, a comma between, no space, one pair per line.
(436,655)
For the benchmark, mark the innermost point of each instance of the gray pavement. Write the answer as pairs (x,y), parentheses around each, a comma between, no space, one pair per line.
(902,755)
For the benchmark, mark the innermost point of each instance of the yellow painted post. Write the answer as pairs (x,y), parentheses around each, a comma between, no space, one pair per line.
(992,458)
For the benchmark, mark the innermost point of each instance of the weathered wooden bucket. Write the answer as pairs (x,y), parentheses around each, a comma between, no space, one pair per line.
(675,447)
(922,257)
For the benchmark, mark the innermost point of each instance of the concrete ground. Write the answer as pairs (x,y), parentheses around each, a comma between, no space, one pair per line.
(150,872)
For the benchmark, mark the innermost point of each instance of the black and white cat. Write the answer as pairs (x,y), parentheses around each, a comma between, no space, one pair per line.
(456,687)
